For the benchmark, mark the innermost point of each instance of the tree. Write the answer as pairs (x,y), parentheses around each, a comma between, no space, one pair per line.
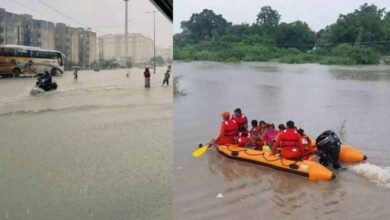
(268,19)
(362,25)
(204,25)
(159,61)
(295,35)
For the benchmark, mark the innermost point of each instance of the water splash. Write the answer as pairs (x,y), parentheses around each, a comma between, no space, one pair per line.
(374,173)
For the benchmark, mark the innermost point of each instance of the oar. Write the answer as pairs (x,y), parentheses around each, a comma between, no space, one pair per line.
(202,149)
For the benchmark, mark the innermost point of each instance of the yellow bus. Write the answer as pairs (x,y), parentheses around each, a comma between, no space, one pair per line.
(18,60)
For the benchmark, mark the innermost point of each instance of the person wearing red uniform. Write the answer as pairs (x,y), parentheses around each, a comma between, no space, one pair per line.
(242,121)
(228,130)
(307,144)
(290,143)
(243,139)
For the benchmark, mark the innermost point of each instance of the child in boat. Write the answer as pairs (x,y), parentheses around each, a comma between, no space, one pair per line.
(254,126)
(263,126)
(243,139)
(270,135)
(256,141)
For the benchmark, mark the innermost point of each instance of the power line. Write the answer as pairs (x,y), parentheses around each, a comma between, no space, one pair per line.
(28,8)
(59,12)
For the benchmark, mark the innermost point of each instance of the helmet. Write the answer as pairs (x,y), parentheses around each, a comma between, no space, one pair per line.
(225,114)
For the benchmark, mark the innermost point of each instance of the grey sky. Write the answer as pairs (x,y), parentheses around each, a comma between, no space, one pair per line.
(317,13)
(101,15)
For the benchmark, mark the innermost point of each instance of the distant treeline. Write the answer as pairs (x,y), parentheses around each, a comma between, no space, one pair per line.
(361,37)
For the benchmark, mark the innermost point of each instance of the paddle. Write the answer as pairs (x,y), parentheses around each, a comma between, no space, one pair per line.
(202,149)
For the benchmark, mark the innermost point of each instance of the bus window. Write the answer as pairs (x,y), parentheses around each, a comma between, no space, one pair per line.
(7,52)
(22,53)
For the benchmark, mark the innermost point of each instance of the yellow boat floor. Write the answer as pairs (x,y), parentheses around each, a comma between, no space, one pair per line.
(311,169)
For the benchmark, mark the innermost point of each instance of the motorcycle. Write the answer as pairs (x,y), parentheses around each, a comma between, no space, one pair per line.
(42,85)
(45,85)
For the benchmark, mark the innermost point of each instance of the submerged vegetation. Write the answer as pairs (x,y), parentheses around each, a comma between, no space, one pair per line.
(361,37)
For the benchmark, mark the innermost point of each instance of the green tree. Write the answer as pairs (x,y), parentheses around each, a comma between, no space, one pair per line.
(159,61)
(297,35)
(268,19)
(364,25)
(204,25)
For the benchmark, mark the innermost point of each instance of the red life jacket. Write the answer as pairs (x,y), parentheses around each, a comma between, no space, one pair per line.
(230,132)
(242,141)
(241,120)
(290,144)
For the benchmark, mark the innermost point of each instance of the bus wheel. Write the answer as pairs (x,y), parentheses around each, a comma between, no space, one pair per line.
(16,72)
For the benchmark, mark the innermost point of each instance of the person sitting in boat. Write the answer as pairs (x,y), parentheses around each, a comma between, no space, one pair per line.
(240,119)
(281,127)
(243,139)
(290,143)
(263,126)
(256,140)
(307,144)
(270,135)
(254,126)
(228,130)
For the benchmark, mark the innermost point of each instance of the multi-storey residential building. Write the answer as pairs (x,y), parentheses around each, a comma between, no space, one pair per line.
(78,45)
(87,47)
(140,48)
(42,34)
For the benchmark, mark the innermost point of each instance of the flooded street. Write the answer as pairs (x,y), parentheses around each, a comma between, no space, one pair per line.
(354,101)
(99,148)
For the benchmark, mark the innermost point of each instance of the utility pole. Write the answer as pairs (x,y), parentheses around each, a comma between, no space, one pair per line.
(126,31)
(154,39)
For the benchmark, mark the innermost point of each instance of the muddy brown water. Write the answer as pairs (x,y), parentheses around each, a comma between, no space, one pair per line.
(354,101)
(100,148)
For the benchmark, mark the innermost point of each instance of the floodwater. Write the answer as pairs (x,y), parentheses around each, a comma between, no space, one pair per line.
(354,101)
(99,148)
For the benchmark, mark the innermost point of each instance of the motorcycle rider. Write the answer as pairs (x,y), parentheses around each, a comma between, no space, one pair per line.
(47,78)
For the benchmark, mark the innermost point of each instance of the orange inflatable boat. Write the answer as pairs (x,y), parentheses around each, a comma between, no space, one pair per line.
(348,154)
(308,168)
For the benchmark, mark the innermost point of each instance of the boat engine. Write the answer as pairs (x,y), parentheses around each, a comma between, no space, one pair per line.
(328,144)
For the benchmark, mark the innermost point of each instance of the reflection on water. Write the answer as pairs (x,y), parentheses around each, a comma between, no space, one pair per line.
(96,149)
(316,100)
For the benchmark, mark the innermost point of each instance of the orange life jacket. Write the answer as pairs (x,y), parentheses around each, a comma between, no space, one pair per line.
(241,120)
(290,144)
(229,132)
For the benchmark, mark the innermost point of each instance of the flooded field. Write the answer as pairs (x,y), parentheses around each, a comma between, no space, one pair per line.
(354,101)
(99,148)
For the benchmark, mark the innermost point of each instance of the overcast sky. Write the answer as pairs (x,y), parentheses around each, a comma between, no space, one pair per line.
(317,13)
(101,15)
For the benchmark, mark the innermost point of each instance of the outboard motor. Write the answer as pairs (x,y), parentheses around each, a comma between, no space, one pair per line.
(328,143)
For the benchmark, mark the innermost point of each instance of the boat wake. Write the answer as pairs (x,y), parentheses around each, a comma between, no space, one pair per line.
(374,173)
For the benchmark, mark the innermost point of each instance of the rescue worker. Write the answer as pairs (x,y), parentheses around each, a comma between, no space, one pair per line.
(290,143)
(241,119)
(308,147)
(270,135)
(228,130)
